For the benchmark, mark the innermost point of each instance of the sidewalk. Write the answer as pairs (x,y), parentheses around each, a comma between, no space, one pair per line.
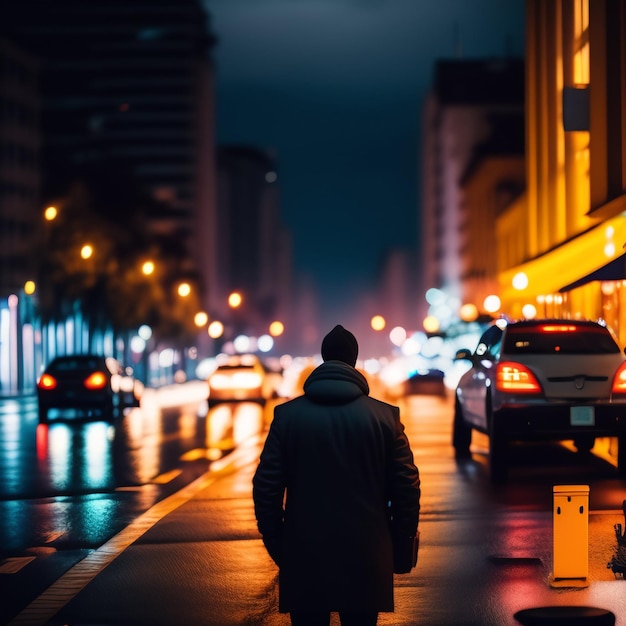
(195,558)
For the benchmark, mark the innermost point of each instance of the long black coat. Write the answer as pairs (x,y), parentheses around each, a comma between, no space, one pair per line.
(336,467)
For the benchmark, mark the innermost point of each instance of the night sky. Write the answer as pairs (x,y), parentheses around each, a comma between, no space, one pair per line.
(334,90)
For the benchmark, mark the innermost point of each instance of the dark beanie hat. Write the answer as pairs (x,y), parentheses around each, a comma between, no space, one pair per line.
(340,345)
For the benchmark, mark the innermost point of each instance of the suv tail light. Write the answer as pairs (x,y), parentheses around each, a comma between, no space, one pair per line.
(97,380)
(514,377)
(619,380)
(47,382)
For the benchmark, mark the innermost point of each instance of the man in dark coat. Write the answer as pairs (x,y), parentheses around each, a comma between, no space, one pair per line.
(335,489)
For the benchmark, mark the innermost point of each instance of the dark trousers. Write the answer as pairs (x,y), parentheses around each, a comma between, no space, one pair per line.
(364,618)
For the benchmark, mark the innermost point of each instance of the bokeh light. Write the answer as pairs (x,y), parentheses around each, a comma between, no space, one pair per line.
(492,304)
(378,322)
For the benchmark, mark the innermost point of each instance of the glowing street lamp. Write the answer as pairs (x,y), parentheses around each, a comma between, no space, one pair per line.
(431,324)
(147,268)
(200,319)
(184,289)
(234,300)
(378,322)
(492,304)
(86,252)
(50,213)
(215,329)
(276,328)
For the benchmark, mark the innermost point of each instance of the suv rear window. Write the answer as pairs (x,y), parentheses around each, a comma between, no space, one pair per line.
(559,339)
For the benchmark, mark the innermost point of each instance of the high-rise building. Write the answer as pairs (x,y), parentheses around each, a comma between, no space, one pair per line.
(254,248)
(472,106)
(19,166)
(560,248)
(127,87)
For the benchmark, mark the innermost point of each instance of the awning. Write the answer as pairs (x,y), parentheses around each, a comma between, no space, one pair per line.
(613,270)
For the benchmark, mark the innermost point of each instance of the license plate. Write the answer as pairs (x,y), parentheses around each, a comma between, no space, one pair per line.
(582,416)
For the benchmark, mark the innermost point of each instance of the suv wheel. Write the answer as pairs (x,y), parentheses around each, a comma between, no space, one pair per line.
(461,433)
(498,450)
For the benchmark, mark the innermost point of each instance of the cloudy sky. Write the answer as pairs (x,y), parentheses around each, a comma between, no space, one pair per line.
(334,88)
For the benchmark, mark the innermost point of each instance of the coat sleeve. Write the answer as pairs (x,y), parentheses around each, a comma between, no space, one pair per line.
(268,490)
(403,483)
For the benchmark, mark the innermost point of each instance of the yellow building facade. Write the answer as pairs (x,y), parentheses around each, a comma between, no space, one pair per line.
(572,218)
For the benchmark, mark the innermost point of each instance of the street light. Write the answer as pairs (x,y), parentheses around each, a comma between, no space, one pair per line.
(50,213)
(184,289)
(147,268)
(234,300)
(200,319)
(378,322)
(215,329)
(86,251)
(276,328)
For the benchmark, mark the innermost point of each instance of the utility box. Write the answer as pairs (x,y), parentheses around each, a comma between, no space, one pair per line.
(571,531)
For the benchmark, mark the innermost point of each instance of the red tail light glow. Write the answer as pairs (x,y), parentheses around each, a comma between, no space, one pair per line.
(47,382)
(619,380)
(514,377)
(97,380)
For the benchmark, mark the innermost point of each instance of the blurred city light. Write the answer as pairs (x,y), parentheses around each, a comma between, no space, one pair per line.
(86,251)
(411,346)
(431,324)
(234,300)
(166,357)
(435,296)
(145,332)
(378,322)
(265,343)
(29,287)
(520,281)
(137,344)
(276,329)
(468,312)
(184,289)
(147,268)
(242,343)
(215,329)
(492,304)
(200,319)
(50,213)
(397,336)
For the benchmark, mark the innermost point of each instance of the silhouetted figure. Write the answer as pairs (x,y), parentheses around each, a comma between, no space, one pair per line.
(336,493)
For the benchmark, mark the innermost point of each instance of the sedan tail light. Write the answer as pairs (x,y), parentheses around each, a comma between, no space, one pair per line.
(619,380)
(47,382)
(97,380)
(514,377)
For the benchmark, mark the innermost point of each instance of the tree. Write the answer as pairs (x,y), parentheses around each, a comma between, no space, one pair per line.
(109,285)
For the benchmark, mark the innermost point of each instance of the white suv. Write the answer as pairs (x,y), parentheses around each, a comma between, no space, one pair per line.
(542,380)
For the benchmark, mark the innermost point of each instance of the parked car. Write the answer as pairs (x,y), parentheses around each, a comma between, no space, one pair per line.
(88,384)
(242,377)
(542,380)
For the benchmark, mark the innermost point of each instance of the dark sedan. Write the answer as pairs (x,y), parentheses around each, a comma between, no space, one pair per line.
(86,385)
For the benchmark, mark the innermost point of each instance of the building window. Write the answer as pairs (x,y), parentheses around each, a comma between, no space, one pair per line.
(581,42)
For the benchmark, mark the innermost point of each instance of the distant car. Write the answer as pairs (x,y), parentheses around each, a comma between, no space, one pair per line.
(425,382)
(241,377)
(542,380)
(90,385)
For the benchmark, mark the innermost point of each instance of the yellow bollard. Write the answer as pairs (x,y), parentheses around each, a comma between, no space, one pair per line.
(571,535)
